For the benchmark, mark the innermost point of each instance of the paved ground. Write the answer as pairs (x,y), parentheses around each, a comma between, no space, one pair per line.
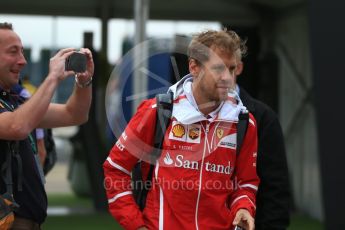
(56,180)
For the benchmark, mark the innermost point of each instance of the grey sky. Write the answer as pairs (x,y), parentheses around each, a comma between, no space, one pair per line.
(57,32)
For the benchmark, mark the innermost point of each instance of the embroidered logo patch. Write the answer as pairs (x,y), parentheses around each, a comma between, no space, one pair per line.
(167,159)
(194,133)
(178,130)
(228,141)
(220,133)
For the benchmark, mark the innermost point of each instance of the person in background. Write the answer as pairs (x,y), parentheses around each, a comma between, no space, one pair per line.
(18,119)
(25,90)
(273,196)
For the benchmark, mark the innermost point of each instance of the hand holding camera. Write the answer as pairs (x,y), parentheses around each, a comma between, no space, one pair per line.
(76,62)
(69,62)
(83,61)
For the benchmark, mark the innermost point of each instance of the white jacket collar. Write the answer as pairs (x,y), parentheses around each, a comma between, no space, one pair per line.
(186,111)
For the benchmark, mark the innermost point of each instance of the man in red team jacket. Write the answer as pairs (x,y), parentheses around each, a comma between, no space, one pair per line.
(198,182)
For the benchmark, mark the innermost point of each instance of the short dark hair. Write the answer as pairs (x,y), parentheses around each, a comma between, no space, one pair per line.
(6,26)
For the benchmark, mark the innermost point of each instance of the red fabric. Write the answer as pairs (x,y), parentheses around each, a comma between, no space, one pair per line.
(192,181)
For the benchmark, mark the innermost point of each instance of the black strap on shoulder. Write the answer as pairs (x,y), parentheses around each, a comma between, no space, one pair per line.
(164,111)
(243,119)
(242,125)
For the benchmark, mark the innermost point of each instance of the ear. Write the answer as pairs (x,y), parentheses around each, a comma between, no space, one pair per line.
(194,67)
(239,68)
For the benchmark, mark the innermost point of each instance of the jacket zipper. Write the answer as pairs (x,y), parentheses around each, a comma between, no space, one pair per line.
(200,175)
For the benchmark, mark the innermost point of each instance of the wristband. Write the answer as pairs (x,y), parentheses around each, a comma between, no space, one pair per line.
(82,85)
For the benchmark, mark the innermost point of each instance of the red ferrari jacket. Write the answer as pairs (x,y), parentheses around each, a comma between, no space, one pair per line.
(198,182)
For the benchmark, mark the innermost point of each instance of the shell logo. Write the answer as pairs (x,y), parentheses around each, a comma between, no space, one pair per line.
(178,130)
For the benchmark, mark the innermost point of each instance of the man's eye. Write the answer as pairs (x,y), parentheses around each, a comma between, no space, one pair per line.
(219,69)
(13,51)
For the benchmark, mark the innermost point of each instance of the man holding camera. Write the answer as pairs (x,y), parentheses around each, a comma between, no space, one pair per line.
(18,120)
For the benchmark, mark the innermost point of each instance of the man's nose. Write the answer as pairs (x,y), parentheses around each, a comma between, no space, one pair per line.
(22,60)
(228,75)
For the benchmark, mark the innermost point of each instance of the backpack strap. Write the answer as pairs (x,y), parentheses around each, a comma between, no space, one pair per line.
(7,200)
(242,125)
(6,169)
(6,173)
(12,151)
(164,111)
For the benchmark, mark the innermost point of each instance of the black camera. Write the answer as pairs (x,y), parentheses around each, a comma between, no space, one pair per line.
(76,62)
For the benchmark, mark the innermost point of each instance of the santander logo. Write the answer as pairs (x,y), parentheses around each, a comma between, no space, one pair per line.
(180,162)
(167,159)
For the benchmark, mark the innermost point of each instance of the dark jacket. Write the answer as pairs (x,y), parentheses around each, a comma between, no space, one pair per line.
(273,196)
(32,198)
